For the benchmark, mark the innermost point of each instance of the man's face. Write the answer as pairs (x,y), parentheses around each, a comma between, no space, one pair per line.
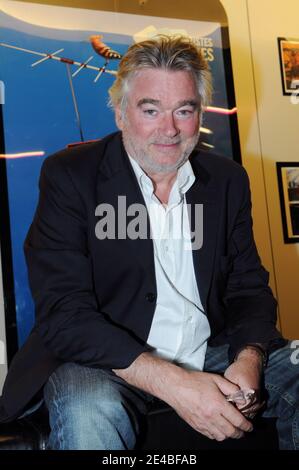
(160,123)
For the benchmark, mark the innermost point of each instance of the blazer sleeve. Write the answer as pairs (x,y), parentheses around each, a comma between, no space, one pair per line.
(250,305)
(68,317)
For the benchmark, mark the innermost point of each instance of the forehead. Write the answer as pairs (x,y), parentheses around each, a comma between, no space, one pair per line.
(162,85)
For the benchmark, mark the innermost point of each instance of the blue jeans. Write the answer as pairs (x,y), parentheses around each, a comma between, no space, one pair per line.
(94,409)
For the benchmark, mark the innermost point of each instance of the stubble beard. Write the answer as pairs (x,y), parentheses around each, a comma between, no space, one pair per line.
(148,164)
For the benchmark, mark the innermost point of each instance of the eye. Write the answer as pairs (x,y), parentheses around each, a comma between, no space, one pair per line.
(185,112)
(150,112)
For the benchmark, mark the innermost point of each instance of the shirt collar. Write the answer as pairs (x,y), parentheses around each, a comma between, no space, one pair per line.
(185,177)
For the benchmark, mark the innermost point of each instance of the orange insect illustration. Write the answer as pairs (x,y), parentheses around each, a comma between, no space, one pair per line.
(102,49)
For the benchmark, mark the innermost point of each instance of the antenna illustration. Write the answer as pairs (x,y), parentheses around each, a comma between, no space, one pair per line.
(100,48)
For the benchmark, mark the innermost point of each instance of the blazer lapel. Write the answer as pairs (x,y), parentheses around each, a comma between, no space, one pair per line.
(116,178)
(204,192)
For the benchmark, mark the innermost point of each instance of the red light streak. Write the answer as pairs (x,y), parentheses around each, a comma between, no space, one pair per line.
(213,109)
(9,156)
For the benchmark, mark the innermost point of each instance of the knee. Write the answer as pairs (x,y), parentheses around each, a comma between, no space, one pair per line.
(91,424)
(86,410)
(81,393)
(91,415)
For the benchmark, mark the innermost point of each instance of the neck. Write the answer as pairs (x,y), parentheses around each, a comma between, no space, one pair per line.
(162,184)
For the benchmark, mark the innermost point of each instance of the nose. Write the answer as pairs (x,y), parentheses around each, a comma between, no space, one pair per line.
(169,126)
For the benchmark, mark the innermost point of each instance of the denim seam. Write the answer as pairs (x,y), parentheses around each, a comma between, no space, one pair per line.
(284,395)
(55,401)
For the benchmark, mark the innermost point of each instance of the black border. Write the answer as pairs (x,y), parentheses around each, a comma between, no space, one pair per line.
(279,166)
(284,90)
(6,256)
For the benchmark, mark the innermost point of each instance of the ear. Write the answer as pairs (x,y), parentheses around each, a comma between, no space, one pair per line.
(119,117)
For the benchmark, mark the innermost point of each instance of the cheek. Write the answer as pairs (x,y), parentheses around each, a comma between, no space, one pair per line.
(191,129)
(142,131)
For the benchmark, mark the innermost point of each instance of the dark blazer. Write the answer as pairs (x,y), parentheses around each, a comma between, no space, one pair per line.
(95,299)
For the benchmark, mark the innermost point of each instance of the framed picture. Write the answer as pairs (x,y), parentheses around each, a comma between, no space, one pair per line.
(289,64)
(288,184)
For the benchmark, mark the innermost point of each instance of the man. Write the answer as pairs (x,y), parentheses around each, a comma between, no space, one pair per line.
(123,318)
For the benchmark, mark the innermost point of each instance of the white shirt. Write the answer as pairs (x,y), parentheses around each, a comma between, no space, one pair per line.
(180,329)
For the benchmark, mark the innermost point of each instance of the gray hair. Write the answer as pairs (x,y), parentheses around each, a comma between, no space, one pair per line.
(175,53)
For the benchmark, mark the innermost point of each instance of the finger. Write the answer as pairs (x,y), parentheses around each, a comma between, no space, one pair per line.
(201,430)
(236,418)
(204,432)
(225,386)
(217,433)
(208,434)
(228,429)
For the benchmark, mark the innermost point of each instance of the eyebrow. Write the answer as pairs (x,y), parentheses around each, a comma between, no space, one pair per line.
(180,104)
(148,101)
(193,103)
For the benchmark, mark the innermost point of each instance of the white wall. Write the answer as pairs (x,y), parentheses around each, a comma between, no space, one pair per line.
(269,126)
(279,128)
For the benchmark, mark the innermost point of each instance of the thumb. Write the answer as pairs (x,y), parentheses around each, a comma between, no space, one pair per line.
(225,386)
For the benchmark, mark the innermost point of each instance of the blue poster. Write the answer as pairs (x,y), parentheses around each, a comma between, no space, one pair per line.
(56,85)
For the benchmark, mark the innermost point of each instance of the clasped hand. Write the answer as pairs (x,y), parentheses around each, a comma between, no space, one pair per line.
(200,399)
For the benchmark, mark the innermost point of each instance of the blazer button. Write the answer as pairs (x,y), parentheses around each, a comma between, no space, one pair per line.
(150,297)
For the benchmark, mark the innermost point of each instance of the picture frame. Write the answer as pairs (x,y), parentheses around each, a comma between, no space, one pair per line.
(288,185)
(289,64)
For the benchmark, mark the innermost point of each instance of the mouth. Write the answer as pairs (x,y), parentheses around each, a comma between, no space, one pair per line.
(166,146)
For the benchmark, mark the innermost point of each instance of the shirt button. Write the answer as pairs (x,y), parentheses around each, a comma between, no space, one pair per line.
(150,297)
